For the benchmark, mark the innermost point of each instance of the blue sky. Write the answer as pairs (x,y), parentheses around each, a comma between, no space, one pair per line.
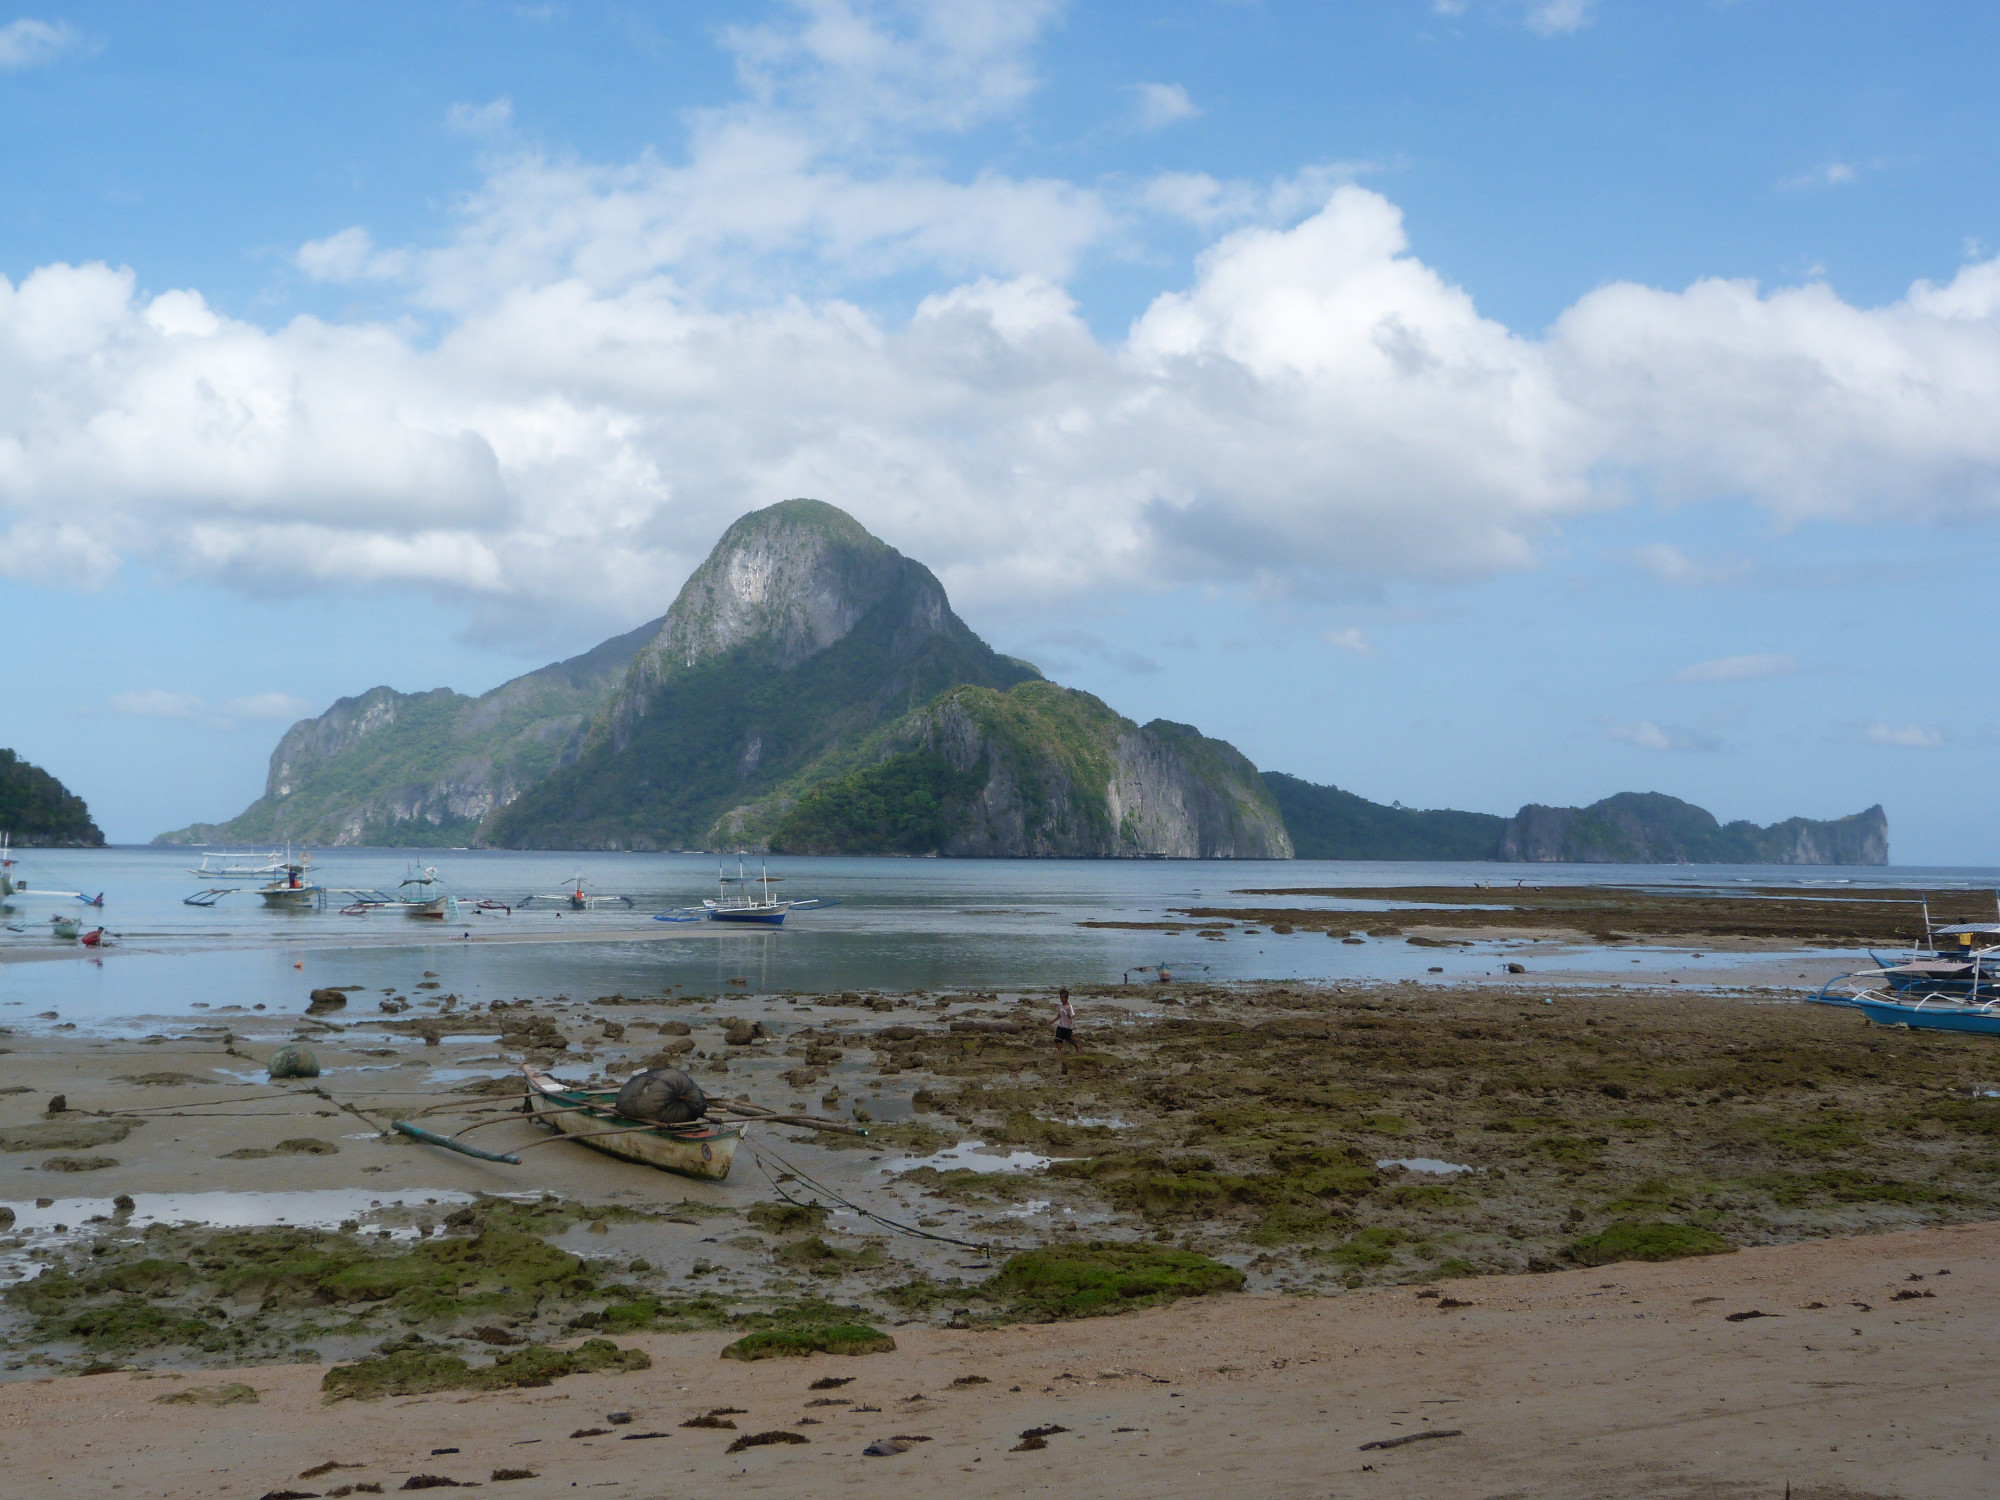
(1465,403)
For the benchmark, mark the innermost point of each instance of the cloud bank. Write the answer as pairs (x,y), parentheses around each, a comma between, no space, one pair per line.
(627,356)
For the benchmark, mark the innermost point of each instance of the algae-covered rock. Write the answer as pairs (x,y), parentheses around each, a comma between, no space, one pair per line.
(1636,1240)
(293,1060)
(234,1393)
(794,1343)
(786,1218)
(79,1163)
(415,1369)
(1083,1281)
(66,1135)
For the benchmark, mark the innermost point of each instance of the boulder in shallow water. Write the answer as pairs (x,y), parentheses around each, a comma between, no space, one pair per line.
(293,1060)
(664,1094)
(325,1000)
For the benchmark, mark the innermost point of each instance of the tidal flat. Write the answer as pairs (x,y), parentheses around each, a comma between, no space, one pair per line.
(1206,1138)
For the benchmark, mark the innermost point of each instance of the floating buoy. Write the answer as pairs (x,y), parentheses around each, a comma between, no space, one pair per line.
(300,964)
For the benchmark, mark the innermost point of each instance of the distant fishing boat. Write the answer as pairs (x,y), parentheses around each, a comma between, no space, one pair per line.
(11,888)
(292,891)
(428,907)
(578,897)
(735,901)
(241,867)
(742,904)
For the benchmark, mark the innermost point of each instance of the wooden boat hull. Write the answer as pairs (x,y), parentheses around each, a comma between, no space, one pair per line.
(1929,1017)
(705,1151)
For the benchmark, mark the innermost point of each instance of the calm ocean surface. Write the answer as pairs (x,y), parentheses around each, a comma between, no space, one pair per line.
(902,924)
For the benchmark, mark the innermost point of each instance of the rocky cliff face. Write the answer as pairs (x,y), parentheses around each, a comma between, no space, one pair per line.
(798,637)
(421,768)
(1040,771)
(1650,828)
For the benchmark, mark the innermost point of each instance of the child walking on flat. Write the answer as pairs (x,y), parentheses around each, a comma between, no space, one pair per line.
(1066,1023)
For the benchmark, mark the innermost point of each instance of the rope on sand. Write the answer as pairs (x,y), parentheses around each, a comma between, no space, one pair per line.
(824,1191)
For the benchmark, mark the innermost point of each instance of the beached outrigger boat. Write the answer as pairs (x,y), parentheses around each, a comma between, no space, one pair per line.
(1898,995)
(702,1148)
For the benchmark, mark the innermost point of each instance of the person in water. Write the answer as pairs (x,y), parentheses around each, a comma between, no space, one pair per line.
(1065,1023)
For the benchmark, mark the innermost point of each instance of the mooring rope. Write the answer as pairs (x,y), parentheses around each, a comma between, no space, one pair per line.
(866,1213)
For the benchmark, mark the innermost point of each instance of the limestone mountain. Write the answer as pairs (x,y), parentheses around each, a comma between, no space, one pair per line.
(798,637)
(424,768)
(1629,828)
(1038,770)
(39,811)
(1652,828)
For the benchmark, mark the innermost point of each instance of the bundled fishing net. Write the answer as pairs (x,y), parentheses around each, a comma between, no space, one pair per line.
(664,1094)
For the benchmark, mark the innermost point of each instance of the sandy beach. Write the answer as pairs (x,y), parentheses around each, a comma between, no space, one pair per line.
(1627,1380)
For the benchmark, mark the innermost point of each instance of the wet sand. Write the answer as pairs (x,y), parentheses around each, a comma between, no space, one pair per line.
(1628,1380)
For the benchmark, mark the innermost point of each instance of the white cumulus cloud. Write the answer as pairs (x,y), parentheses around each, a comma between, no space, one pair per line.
(1560,17)
(29,43)
(1158,105)
(1751,668)
(1650,736)
(154,703)
(619,359)
(490,119)
(159,703)
(1899,736)
(1826,175)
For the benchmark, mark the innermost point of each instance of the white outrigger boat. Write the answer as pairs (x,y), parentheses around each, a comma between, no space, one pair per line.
(579,897)
(243,867)
(12,890)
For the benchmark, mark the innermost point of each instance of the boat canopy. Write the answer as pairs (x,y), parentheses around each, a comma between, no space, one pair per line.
(1989,929)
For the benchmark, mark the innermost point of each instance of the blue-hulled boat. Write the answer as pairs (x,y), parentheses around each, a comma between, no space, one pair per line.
(742,904)
(1930,1015)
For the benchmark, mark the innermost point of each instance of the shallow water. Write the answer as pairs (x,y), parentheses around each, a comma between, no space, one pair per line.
(1424,1164)
(64,1221)
(902,925)
(971,1155)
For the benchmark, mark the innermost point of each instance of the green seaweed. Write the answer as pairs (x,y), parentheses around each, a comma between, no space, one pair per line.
(416,1369)
(1090,1280)
(1646,1240)
(786,1218)
(789,1343)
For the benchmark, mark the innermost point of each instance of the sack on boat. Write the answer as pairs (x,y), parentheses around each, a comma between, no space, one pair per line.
(664,1094)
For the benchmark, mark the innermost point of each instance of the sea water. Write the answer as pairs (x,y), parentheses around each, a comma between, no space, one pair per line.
(900,925)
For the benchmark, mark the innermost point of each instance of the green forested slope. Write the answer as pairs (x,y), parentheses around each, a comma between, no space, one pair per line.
(36,809)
